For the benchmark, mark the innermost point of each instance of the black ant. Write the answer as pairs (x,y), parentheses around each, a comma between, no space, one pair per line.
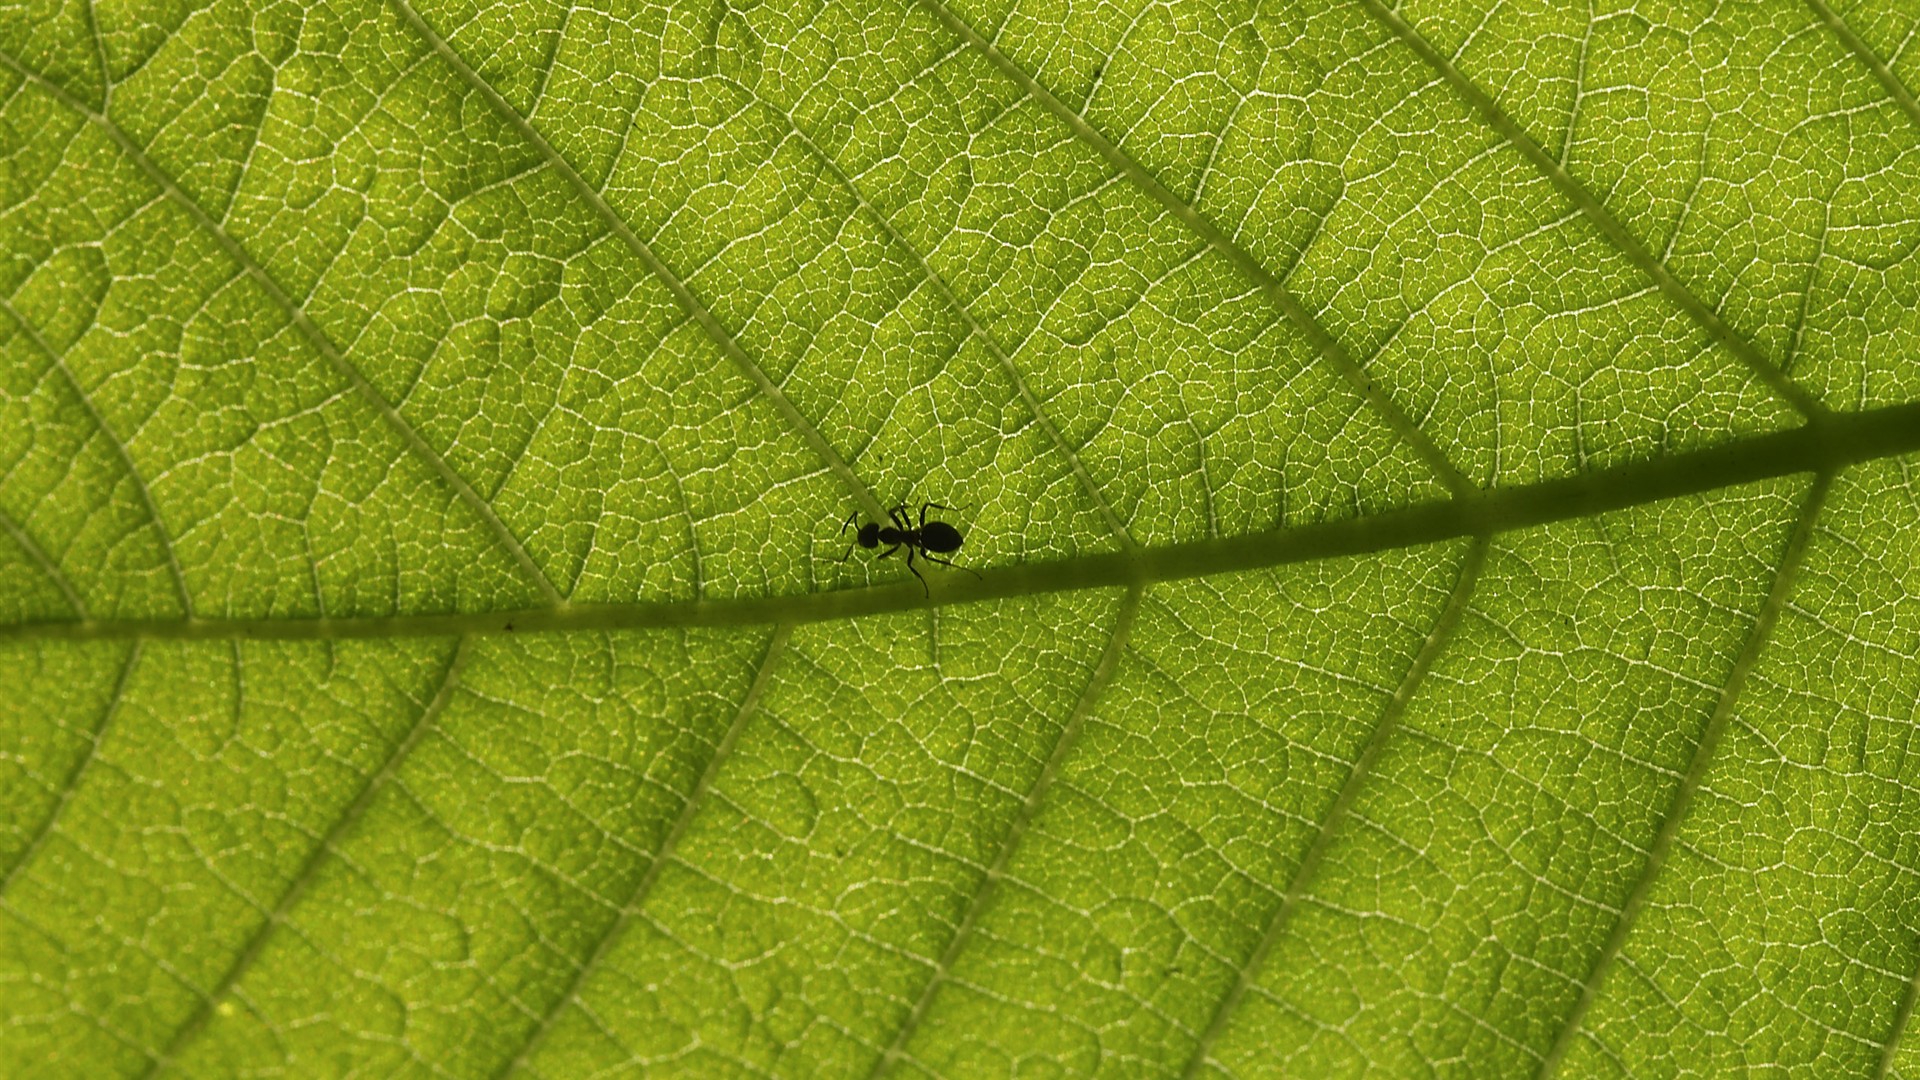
(926,539)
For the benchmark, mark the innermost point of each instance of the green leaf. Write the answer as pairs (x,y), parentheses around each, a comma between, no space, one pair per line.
(1440,478)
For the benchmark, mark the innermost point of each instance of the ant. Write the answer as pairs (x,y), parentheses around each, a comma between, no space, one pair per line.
(926,539)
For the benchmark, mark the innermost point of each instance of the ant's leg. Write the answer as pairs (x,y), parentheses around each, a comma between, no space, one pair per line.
(916,573)
(956,566)
(924,507)
(901,518)
(890,551)
(856,536)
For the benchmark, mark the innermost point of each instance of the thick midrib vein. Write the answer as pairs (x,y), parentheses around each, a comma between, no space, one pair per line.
(1301,882)
(304,876)
(140,489)
(1704,753)
(992,344)
(1243,260)
(45,565)
(296,314)
(1596,212)
(71,781)
(682,295)
(1023,817)
(1896,89)
(691,806)
(1828,446)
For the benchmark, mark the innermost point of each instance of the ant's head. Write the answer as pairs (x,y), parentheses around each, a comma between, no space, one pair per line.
(867,536)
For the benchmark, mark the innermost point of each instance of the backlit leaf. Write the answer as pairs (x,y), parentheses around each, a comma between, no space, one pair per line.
(1440,478)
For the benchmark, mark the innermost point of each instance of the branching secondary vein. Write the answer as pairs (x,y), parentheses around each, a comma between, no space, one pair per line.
(695,309)
(1331,824)
(1243,260)
(296,887)
(695,800)
(1602,218)
(1704,754)
(986,339)
(304,324)
(47,567)
(81,765)
(140,488)
(1896,89)
(989,884)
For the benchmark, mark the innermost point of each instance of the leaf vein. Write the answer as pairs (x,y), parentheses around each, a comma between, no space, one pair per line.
(1704,753)
(303,877)
(46,566)
(1243,260)
(1023,817)
(1847,439)
(80,768)
(682,294)
(1902,1016)
(295,313)
(1596,212)
(1890,79)
(76,1007)
(1330,825)
(120,451)
(695,800)
(973,324)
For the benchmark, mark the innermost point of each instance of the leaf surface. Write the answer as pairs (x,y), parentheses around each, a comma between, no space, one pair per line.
(1440,481)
